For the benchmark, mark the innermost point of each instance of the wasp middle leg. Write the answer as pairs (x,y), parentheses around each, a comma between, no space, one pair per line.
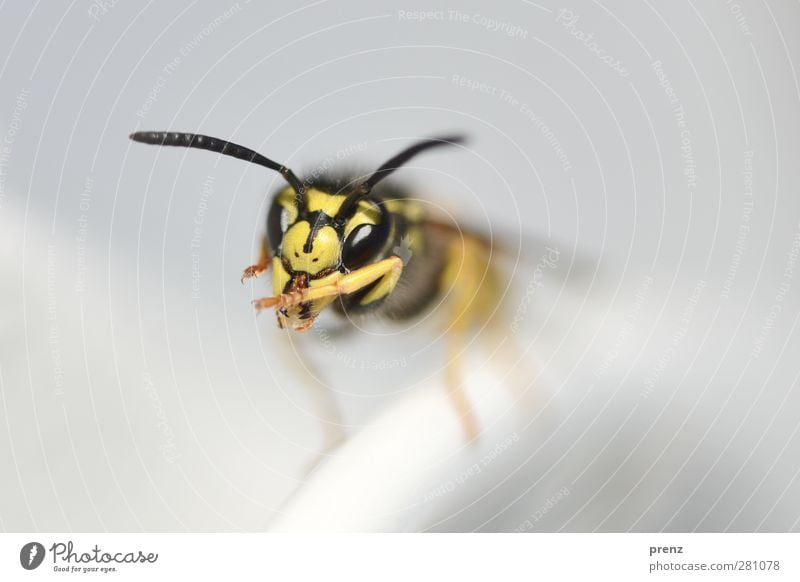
(470,280)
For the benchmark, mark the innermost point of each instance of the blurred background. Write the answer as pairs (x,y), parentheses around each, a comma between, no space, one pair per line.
(640,164)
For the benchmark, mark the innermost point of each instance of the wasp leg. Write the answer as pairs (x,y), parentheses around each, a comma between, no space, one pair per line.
(261,266)
(387,271)
(323,400)
(470,281)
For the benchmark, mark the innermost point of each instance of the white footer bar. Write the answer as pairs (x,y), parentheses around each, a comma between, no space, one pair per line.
(389,557)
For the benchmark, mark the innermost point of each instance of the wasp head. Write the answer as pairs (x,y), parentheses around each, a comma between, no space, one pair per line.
(318,238)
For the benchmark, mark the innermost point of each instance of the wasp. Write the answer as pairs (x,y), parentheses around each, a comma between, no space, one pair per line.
(360,244)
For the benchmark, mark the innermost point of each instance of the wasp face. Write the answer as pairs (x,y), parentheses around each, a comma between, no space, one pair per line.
(317,240)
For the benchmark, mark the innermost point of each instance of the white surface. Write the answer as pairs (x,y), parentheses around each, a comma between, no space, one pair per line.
(411,467)
(670,400)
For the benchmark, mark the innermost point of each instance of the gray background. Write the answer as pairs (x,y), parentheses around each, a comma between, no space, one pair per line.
(665,334)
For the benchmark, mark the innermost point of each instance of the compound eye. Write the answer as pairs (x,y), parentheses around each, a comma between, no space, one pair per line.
(277,223)
(363,243)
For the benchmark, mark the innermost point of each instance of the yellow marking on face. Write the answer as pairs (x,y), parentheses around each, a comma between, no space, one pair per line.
(279,276)
(286,199)
(366,213)
(327,203)
(324,253)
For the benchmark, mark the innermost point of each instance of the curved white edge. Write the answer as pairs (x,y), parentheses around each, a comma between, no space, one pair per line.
(412,466)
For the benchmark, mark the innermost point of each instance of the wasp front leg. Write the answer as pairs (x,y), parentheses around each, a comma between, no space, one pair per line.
(262,265)
(387,272)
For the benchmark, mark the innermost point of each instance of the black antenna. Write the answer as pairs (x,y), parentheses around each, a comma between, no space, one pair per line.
(400,159)
(226,148)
